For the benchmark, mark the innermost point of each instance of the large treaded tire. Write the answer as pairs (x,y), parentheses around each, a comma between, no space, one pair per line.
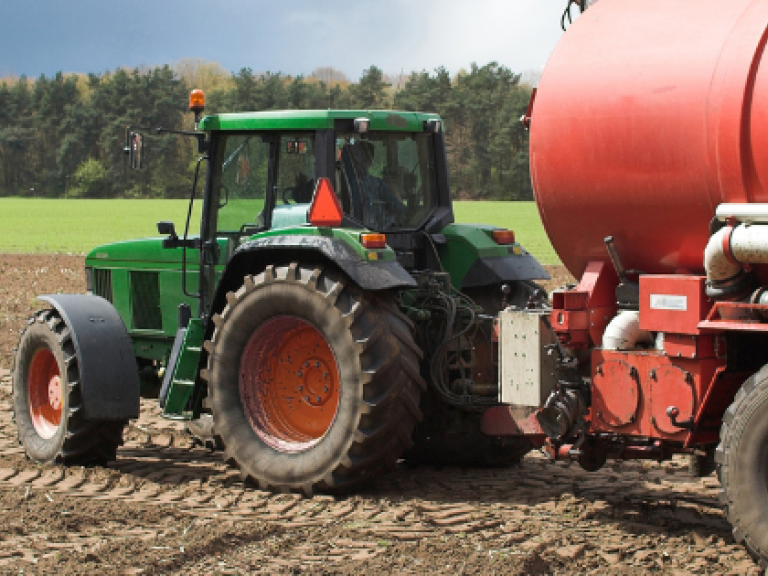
(742,458)
(376,393)
(60,432)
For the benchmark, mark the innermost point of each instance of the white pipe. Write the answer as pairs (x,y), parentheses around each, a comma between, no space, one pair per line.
(717,265)
(744,213)
(624,333)
(724,256)
(749,244)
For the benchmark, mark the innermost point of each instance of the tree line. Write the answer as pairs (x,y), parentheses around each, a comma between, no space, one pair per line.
(63,136)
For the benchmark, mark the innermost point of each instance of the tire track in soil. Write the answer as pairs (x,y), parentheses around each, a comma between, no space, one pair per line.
(554,518)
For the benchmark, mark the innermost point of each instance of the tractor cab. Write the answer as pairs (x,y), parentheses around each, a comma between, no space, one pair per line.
(264,177)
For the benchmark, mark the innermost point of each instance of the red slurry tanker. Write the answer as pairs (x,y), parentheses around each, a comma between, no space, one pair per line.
(649,159)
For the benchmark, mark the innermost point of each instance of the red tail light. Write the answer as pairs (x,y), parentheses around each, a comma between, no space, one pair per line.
(371,241)
(325,209)
(503,236)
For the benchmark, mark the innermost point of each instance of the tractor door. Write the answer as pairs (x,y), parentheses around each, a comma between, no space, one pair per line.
(258,181)
(237,203)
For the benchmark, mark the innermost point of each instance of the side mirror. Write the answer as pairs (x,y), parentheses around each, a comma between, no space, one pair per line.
(173,240)
(134,150)
(168,229)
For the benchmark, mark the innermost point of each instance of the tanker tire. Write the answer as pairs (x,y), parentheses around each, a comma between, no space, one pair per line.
(368,344)
(58,431)
(742,459)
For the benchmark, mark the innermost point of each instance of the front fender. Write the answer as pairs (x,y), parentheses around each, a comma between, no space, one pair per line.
(109,376)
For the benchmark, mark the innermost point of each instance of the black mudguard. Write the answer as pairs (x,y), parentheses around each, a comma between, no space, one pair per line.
(367,275)
(486,271)
(108,371)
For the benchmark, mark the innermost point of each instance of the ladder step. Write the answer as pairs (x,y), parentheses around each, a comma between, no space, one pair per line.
(184,382)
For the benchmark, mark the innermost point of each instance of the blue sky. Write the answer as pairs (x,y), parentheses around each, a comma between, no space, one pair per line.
(43,37)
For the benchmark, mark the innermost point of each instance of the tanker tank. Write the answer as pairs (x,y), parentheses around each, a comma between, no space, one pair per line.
(648,116)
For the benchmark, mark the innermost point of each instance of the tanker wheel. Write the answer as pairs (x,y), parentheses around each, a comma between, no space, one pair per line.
(47,398)
(742,457)
(313,384)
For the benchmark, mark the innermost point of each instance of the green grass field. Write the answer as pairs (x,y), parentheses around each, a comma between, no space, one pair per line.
(76,226)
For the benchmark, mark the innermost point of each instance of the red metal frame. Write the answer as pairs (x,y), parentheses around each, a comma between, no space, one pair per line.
(579,316)
(632,391)
(685,289)
(735,316)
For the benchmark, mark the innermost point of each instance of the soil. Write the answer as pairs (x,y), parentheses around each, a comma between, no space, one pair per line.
(168,506)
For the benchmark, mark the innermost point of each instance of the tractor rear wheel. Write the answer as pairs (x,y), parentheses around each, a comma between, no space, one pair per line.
(742,457)
(48,400)
(313,384)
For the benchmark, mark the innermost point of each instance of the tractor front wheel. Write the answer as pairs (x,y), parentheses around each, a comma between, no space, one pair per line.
(48,400)
(742,457)
(314,384)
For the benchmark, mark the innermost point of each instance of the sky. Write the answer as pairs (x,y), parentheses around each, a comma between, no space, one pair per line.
(47,36)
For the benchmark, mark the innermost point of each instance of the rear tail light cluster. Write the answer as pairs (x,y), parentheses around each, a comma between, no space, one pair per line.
(372,241)
(503,236)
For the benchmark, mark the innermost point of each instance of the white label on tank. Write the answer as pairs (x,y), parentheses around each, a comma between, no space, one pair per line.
(669,302)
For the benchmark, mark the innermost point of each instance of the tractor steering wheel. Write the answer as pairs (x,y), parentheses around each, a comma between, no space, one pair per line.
(287,195)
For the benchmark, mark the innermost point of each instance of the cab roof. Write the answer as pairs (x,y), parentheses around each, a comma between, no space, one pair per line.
(381,120)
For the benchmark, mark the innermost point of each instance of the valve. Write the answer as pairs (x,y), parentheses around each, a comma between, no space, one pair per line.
(674,412)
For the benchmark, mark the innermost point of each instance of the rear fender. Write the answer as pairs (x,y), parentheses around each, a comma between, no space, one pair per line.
(108,370)
(474,259)
(254,256)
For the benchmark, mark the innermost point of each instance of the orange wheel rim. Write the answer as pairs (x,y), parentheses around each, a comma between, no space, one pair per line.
(45,393)
(289,384)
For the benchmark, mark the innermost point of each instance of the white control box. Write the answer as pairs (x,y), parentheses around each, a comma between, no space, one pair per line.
(527,369)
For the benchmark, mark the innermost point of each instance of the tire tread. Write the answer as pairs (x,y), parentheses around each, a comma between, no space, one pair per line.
(389,375)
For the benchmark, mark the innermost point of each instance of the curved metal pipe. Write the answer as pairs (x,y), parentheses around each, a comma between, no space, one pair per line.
(624,333)
(727,251)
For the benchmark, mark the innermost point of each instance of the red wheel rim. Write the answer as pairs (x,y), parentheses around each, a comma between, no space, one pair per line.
(45,393)
(289,384)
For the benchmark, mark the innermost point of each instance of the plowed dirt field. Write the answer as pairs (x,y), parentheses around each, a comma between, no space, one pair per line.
(167,506)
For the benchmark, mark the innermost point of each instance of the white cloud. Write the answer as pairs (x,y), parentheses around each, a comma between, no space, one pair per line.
(405,35)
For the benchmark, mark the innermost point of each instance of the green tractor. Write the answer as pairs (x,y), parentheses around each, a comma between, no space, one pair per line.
(326,318)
